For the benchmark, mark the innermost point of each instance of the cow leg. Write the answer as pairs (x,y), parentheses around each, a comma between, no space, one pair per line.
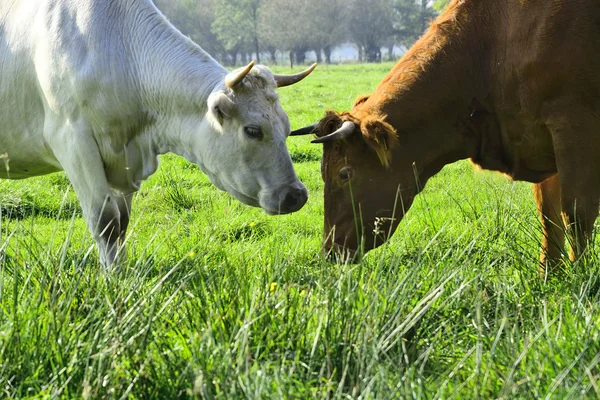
(579,214)
(79,156)
(124,204)
(576,138)
(105,228)
(547,198)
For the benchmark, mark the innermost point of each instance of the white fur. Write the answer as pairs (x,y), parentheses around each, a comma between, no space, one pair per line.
(99,88)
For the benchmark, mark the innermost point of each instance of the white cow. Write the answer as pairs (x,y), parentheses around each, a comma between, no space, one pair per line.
(100,88)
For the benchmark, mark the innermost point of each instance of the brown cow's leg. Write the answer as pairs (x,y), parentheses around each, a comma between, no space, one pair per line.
(576,140)
(579,214)
(547,198)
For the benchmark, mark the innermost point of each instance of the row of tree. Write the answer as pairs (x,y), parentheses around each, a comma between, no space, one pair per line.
(234,30)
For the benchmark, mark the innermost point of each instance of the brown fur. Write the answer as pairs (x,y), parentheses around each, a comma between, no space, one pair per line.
(513,85)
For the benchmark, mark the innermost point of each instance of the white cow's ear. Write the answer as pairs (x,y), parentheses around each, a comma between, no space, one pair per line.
(220,107)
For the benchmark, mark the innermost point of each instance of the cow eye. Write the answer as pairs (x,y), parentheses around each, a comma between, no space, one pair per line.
(345,174)
(253,132)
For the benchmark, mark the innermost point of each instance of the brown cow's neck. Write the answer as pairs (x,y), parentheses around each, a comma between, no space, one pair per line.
(432,94)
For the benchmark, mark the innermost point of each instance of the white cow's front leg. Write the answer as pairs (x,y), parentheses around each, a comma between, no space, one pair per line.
(124,204)
(105,228)
(79,156)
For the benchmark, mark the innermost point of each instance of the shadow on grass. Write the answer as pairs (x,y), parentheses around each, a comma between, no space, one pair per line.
(19,206)
(305,156)
(245,231)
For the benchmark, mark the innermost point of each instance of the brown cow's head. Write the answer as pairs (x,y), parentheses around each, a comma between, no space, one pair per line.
(363,203)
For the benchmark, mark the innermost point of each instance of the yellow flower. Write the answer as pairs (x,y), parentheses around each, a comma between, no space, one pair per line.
(303,292)
(272,287)
(191,254)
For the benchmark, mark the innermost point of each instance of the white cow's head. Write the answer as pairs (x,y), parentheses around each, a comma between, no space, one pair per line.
(243,149)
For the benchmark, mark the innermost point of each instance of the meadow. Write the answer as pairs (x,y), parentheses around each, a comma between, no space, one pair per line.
(219,300)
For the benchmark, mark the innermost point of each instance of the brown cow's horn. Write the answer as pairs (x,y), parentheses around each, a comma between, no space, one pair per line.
(286,80)
(232,80)
(343,132)
(307,130)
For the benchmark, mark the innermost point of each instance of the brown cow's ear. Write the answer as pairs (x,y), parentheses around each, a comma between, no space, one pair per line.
(361,99)
(329,123)
(381,136)
(333,121)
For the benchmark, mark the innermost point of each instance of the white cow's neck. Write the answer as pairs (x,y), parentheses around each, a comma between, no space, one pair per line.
(175,74)
(174,78)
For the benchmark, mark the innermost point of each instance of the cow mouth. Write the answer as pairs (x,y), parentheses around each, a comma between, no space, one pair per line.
(224,186)
(346,248)
(341,254)
(272,205)
(339,248)
(284,199)
(248,200)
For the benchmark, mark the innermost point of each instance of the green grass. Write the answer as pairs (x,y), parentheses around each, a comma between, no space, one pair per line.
(218,300)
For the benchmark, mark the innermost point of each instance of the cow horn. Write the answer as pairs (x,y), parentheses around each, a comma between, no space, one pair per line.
(286,80)
(232,80)
(343,132)
(307,130)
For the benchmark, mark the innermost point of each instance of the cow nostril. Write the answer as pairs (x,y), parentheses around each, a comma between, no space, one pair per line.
(291,201)
(294,200)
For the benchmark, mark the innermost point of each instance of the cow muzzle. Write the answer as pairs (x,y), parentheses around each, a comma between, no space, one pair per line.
(342,255)
(343,245)
(340,246)
(284,200)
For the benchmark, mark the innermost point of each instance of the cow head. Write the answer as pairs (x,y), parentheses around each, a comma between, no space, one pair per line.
(363,204)
(243,150)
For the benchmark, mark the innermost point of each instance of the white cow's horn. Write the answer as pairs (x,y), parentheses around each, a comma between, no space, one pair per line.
(232,80)
(344,131)
(286,80)
(307,130)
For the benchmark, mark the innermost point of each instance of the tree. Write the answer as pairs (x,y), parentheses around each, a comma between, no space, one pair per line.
(412,18)
(371,25)
(328,25)
(286,25)
(236,25)
(440,5)
(194,19)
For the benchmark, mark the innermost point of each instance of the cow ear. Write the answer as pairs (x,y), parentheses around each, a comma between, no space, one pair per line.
(329,123)
(361,99)
(381,136)
(220,107)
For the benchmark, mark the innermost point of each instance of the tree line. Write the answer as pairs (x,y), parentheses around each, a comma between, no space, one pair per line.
(234,31)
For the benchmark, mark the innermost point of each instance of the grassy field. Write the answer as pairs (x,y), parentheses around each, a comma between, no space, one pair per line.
(218,300)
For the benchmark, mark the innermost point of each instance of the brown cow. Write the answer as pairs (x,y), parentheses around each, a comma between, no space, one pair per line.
(514,85)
